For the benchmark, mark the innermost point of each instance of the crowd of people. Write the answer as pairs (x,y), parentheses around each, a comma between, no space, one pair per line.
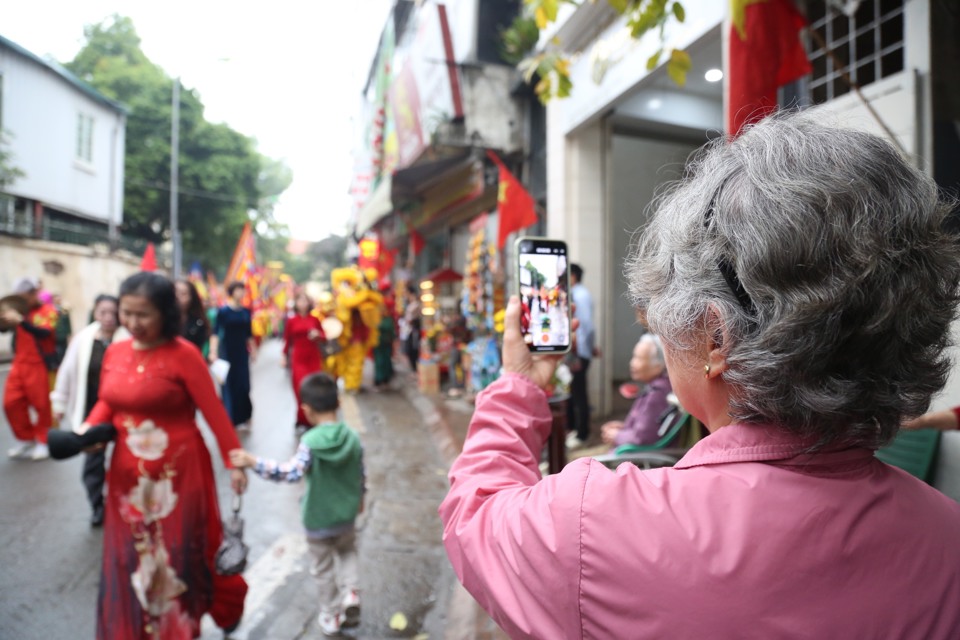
(140,370)
(798,289)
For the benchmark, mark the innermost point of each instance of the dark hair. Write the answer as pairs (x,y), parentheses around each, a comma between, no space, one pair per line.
(319,392)
(194,310)
(233,286)
(159,290)
(106,297)
(576,271)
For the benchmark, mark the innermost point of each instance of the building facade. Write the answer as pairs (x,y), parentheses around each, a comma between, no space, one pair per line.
(68,141)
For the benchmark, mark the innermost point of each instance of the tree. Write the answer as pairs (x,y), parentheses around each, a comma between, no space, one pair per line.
(551,67)
(220,171)
(327,255)
(9,172)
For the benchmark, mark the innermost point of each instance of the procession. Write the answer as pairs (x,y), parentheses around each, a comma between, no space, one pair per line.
(473,319)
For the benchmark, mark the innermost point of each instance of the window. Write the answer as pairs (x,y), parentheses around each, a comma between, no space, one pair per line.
(85,138)
(866,46)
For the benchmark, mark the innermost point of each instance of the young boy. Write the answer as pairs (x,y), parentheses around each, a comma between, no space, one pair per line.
(330,457)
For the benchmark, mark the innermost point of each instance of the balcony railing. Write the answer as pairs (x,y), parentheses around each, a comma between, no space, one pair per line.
(20,223)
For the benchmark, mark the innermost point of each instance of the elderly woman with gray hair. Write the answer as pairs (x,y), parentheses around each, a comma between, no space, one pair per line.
(803,287)
(643,422)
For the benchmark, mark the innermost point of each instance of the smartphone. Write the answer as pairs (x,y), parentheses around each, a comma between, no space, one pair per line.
(543,284)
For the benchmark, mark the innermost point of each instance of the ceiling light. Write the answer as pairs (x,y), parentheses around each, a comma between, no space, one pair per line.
(713,75)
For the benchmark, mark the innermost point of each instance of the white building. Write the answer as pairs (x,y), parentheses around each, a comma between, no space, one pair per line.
(68,140)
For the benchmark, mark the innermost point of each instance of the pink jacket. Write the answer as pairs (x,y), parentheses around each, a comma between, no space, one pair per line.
(746,537)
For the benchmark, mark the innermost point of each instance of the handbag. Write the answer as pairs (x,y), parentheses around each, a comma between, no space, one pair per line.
(231,557)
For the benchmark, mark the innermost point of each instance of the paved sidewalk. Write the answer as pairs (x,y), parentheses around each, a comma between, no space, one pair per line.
(448,418)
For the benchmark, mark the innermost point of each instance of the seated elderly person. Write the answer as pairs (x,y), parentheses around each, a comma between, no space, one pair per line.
(642,424)
(803,284)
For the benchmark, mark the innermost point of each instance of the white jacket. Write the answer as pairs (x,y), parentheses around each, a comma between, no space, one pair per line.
(69,395)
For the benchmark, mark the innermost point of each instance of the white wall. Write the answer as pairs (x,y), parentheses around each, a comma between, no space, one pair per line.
(40,111)
(86,272)
(638,166)
(462,18)
(615,64)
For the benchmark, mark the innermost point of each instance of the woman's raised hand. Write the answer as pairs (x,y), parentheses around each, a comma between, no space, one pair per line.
(516,355)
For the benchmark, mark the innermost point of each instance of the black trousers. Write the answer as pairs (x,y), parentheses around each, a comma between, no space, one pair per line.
(578,408)
(94,477)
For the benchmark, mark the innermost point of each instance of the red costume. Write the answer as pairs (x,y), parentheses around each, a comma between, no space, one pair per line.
(28,384)
(303,353)
(162,525)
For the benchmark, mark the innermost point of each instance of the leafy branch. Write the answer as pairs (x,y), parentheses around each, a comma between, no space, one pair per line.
(9,172)
(552,67)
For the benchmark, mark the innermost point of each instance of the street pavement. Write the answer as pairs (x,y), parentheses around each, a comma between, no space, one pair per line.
(51,557)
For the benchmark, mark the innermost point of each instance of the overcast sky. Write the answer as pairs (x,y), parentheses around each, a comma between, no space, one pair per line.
(288,73)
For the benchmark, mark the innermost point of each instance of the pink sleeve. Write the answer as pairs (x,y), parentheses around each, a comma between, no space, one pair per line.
(956,412)
(199,385)
(514,539)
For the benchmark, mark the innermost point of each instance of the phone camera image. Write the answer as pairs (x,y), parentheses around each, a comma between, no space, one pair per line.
(543,287)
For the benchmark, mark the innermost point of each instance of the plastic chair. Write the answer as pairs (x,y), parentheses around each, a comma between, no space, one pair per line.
(659,453)
(914,451)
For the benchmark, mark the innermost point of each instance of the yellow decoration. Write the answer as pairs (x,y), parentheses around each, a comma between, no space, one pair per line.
(398,621)
(355,301)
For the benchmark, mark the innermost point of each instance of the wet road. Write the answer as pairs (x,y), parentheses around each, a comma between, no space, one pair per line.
(50,556)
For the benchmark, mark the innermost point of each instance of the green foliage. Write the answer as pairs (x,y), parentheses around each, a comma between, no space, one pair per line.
(553,69)
(223,180)
(9,172)
(519,39)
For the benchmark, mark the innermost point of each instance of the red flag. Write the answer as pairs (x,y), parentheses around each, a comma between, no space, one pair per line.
(416,242)
(244,259)
(149,260)
(515,204)
(765,52)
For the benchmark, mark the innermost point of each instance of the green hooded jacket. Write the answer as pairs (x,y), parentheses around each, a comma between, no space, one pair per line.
(335,478)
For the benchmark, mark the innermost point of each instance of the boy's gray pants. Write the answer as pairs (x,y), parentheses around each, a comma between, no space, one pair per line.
(334,567)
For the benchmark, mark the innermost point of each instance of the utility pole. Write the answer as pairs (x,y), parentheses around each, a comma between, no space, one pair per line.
(174,178)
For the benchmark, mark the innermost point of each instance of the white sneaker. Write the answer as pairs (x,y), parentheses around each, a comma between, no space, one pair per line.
(21,451)
(329,624)
(40,452)
(351,608)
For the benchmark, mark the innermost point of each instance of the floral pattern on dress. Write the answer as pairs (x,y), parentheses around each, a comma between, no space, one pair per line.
(146,440)
(149,501)
(155,582)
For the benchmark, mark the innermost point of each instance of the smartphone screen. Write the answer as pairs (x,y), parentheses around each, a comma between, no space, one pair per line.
(544,287)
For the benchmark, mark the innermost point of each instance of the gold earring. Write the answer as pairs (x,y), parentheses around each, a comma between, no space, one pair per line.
(706,371)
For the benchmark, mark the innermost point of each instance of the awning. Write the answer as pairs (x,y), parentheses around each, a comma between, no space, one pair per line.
(442,275)
(377,206)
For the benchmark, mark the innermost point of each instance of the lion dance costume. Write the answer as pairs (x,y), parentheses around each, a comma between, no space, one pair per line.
(358,307)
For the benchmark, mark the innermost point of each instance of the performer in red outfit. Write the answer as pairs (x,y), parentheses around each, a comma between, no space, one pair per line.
(28,385)
(162,527)
(301,345)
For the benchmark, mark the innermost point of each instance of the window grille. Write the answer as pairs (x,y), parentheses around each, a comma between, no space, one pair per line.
(866,46)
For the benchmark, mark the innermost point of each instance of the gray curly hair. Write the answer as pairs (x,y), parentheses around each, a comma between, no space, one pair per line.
(816,257)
